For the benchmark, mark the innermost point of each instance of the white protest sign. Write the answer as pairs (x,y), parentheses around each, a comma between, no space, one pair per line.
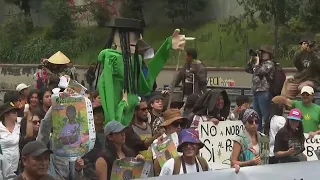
(311,145)
(218,140)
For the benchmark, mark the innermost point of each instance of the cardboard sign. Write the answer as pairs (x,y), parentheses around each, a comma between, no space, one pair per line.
(218,141)
(312,146)
(129,168)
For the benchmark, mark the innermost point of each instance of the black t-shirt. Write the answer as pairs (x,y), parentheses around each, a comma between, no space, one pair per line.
(285,140)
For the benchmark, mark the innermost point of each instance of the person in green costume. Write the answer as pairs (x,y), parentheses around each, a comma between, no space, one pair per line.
(121,78)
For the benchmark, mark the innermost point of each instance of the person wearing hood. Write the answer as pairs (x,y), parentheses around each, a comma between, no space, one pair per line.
(212,106)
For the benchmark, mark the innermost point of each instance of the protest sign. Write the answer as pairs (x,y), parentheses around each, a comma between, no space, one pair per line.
(129,168)
(73,125)
(311,146)
(164,149)
(286,171)
(218,140)
(264,150)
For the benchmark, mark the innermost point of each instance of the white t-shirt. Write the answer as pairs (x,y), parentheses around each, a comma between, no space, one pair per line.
(276,123)
(168,167)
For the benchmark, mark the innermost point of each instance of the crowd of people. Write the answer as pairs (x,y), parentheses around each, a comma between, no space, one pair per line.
(27,153)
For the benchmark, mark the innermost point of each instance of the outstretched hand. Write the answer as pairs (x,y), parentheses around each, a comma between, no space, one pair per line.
(178,41)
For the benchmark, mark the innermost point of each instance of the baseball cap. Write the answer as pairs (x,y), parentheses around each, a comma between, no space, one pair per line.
(21,87)
(295,114)
(307,89)
(35,148)
(113,127)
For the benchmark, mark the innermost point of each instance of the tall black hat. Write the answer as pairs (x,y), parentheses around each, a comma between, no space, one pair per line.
(125,23)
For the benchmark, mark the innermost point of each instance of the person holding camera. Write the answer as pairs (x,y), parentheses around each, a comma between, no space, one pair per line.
(308,66)
(262,68)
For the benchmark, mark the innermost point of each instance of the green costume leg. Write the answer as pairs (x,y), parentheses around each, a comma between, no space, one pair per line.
(111,82)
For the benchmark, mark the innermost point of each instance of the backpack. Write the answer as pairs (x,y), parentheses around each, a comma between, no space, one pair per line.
(245,153)
(276,83)
(177,164)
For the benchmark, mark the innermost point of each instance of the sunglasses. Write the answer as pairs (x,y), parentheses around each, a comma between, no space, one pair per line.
(36,122)
(251,121)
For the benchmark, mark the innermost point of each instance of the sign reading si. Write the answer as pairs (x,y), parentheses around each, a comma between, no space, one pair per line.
(218,140)
(218,81)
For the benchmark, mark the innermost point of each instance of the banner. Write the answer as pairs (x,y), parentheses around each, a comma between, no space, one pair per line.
(164,149)
(288,171)
(312,147)
(218,140)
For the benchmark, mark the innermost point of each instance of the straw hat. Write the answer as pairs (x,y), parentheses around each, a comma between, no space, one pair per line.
(172,115)
(59,58)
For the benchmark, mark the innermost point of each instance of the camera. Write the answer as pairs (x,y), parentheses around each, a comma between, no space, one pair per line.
(254,52)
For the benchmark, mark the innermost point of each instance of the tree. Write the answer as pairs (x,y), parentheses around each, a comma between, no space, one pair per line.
(61,15)
(99,11)
(184,9)
(23,4)
(278,12)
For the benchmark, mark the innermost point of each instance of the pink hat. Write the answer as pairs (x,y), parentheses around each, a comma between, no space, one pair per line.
(295,114)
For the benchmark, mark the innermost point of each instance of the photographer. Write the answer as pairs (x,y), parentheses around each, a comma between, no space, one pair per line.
(261,67)
(308,66)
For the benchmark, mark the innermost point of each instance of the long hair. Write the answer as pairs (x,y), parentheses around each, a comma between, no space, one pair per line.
(275,110)
(299,133)
(131,66)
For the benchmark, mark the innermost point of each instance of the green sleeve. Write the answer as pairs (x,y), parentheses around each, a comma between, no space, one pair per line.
(294,103)
(155,65)
(107,94)
(120,111)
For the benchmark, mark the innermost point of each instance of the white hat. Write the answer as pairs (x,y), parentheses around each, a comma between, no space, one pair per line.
(307,89)
(21,87)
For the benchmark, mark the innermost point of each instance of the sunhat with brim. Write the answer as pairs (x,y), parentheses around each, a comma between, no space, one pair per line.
(21,87)
(113,127)
(34,149)
(59,58)
(6,107)
(189,136)
(172,115)
(295,114)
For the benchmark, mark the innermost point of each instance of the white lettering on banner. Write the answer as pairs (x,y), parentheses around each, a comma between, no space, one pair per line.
(218,140)
(311,146)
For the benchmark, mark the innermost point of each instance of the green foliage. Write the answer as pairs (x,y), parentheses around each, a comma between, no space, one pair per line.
(13,31)
(133,9)
(61,14)
(36,48)
(184,9)
(100,13)
(22,4)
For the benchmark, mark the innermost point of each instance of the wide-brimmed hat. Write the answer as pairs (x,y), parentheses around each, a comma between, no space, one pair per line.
(189,136)
(268,49)
(125,23)
(6,107)
(172,115)
(59,58)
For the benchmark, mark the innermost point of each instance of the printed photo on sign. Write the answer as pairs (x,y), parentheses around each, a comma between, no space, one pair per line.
(129,168)
(71,133)
(218,140)
(264,150)
(312,147)
(164,149)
